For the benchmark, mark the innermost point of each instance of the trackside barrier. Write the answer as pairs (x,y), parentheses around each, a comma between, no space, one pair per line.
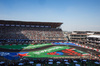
(88,47)
(99,50)
(95,49)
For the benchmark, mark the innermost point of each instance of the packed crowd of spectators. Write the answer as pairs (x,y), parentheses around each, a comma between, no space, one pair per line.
(89,43)
(41,34)
(93,44)
(51,62)
(31,33)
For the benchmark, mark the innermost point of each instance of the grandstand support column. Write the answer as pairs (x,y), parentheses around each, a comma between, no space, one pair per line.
(90,54)
(81,56)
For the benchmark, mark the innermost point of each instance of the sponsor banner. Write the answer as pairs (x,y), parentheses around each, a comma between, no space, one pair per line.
(48,50)
(58,51)
(30,46)
(67,43)
(13,55)
(68,52)
(35,46)
(55,53)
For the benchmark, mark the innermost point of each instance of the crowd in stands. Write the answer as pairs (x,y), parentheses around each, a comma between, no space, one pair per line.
(31,33)
(93,42)
(82,37)
(93,45)
(89,43)
(51,62)
(42,34)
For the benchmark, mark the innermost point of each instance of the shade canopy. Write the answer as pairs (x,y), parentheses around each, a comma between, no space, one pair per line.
(93,36)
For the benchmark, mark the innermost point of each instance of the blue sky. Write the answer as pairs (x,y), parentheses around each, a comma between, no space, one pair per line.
(75,14)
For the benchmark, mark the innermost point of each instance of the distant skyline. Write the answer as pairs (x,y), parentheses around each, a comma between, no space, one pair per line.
(81,15)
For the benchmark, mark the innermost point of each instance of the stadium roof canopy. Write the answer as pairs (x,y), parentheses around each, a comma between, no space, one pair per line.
(93,36)
(52,24)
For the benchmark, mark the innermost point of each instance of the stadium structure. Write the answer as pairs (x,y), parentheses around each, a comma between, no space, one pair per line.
(30,32)
(41,44)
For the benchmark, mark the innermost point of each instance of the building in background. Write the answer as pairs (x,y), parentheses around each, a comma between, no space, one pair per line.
(93,41)
(87,38)
(67,35)
(77,36)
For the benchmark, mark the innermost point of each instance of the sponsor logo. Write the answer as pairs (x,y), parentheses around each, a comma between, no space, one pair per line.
(48,50)
(55,53)
(13,55)
(4,53)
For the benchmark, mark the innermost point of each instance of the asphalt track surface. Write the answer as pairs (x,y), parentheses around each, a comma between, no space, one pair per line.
(45,47)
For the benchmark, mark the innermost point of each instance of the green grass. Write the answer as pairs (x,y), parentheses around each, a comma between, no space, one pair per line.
(43,53)
(30,46)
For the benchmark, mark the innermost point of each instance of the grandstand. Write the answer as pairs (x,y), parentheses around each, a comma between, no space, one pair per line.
(16,32)
(41,44)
